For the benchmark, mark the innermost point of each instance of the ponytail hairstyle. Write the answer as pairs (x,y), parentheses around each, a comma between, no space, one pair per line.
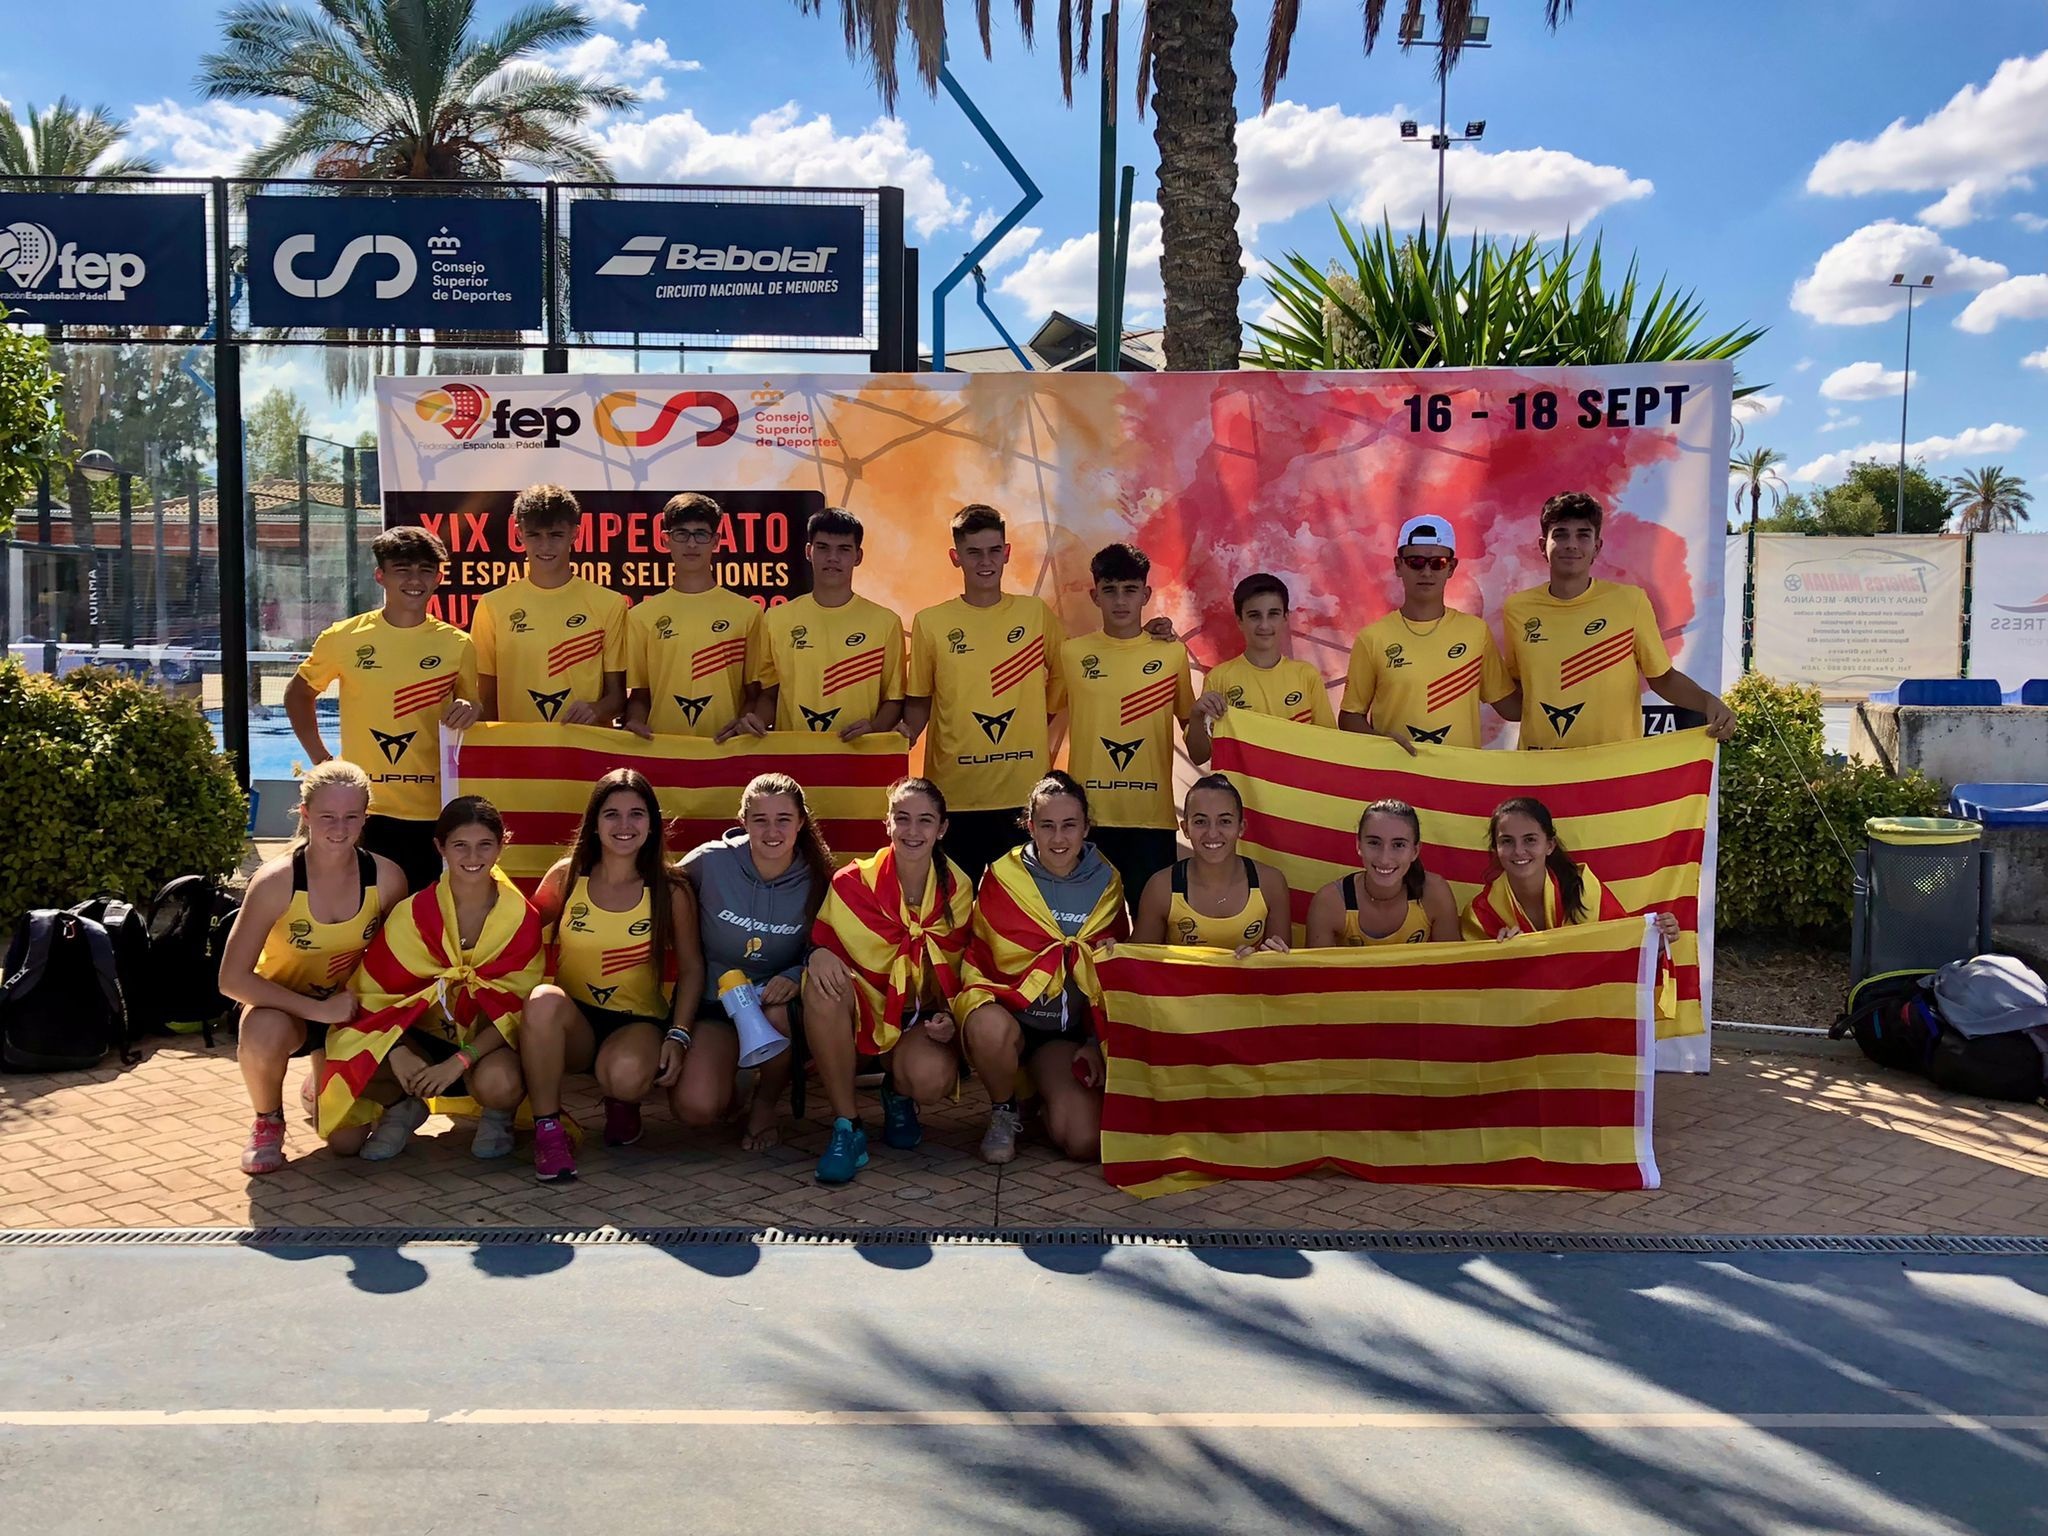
(903,789)
(1571,885)
(1220,782)
(810,842)
(335,771)
(1401,810)
(651,863)
(468,811)
(1056,782)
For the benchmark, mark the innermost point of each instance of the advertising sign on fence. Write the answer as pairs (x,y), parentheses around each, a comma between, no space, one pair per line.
(2009,607)
(717,269)
(103,258)
(1851,616)
(472,263)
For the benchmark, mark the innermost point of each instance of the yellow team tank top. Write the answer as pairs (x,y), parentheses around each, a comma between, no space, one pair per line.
(605,959)
(316,959)
(1414,927)
(1186,926)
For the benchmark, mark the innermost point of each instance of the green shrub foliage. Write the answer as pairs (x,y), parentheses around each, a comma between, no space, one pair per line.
(108,786)
(1780,869)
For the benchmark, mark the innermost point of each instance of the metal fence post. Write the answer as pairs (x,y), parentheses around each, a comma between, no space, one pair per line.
(889,301)
(229,528)
(124,588)
(348,528)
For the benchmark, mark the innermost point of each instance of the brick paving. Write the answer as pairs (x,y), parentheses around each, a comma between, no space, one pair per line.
(1766,1143)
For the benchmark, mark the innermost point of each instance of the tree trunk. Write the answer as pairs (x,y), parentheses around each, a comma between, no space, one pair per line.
(1194,123)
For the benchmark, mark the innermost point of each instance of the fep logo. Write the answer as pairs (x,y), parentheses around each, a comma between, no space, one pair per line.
(405,266)
(29,251)
(458,409)
(611,405)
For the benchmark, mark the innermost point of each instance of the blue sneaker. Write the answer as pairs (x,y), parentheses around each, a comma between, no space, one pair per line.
(847,1154)
(901,1128)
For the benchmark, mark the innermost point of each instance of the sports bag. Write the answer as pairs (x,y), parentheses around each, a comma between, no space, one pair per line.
(128,933)
(61,1007)
(188,929)
(1890,1021)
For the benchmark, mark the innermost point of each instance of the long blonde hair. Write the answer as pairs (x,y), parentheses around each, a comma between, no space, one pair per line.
(335,771)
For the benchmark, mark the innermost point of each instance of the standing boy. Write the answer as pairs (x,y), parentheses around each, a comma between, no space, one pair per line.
(403,675)
(550,646)
(984,673)
(689,650)
(1264,679)
(1126,689)
(1419,673)
(1583,649)
(830,660)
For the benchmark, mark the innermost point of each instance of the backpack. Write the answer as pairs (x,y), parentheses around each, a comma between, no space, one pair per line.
(188,929)
(128,932)
(1991,1066)
(1889,1019)
(1990,1006)
(61,1007)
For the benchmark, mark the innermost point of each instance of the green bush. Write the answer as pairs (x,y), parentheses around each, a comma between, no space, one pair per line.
(108,786)
(1781,871)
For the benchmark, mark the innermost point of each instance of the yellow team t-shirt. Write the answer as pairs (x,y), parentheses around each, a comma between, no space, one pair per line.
(692,652)
(548,646)
(1288,690)
(833,665)
(1123,698)
(992,675)
(1582,663)
(1428,678)
(394,684)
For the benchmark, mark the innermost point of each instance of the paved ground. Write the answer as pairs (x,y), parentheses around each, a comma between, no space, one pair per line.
(1019,1390)
(1766,1143)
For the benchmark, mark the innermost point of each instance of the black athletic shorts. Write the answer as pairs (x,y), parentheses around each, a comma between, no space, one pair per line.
(976,839)
(409,845)
(1036,1040)
(606,1022)
(1138,853)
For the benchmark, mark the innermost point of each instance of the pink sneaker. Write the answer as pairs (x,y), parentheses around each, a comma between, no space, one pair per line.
(554,1159)
(621,1123)
(264,1152)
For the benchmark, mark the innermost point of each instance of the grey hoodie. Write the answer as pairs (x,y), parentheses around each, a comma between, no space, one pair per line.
(1071,897)
(761,927)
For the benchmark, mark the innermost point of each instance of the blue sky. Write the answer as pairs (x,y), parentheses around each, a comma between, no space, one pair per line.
(1783,159)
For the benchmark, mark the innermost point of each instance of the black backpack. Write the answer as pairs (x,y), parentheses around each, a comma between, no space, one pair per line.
(188,930)
(128,932)
(1892,1019)
(61,1006)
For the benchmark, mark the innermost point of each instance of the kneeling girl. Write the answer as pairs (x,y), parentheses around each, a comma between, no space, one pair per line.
(1535,884)
(1392,899)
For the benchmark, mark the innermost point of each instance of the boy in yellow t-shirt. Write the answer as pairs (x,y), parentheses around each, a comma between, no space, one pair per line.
(550,646)
(689,650)
(1264,679)
(1583,649)
(830,660)
(403,676)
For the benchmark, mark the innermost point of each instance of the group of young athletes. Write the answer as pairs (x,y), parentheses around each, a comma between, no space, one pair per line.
(970,937)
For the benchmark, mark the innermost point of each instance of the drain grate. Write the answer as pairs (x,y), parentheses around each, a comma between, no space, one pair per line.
(991,1237)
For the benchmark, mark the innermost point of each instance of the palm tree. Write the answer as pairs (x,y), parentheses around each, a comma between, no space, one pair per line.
(1988,500)
(63,143)
(406,90)
(1756,472)
(1184,60)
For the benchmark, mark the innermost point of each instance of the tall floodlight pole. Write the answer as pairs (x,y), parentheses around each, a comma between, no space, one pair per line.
(1476,29)
(1906,385)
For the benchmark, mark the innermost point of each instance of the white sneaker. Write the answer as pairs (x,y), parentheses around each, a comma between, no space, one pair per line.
(493,1134)
(999,1141)
(393,1130)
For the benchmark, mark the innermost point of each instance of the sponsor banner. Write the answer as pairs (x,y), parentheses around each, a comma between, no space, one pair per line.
(103,258)
(2009,607)
(717,269)
(1853,616)
(429,262)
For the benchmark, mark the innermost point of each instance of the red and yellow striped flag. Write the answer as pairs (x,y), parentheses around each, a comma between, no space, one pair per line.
(888,947)
(539,776)
(1635,813)
(1527,1064)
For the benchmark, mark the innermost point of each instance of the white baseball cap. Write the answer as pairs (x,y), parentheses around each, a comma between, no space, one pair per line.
(1428,530)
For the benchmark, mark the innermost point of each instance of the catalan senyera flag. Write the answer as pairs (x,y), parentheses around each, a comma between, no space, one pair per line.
(539,776)
(890,946)
(1526,1064)
(1634,813)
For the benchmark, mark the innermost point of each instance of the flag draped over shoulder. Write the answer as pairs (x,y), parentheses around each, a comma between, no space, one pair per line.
(1494,910)
(1634,813)
(416,973)
(887,946)
(539,776)
(1523,1065)
(1018,954)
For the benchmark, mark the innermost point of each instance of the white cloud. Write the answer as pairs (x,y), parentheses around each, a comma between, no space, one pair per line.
(2031,222)
(1802,365)
(1064,277)
(1755,408)
(624,12)
(1849,282)
(1982,142)
(2036,360)
(2017,298)
(1995,438)
(1840,423)
(603,57)
(1296,157)
(1863,381)
(1014,245)
(210,139)
(781,148)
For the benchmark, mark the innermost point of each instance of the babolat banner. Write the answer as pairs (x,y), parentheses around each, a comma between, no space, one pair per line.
(717,269)
(438,263)
(103,258)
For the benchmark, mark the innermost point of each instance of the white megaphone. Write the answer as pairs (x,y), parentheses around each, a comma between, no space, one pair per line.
(759,1040)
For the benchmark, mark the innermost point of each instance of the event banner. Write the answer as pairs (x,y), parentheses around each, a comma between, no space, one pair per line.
(1850,616)
(1639,815)
(1215,476)
(103,258)
(1523,1065)
(2009,607)
(471,263)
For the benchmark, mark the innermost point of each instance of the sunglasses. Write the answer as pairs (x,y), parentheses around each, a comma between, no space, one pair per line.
(1427,562)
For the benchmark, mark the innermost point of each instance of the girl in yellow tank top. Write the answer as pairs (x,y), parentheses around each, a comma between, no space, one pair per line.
(1218,898)
(1392,899)
(304,923)
(604,959)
